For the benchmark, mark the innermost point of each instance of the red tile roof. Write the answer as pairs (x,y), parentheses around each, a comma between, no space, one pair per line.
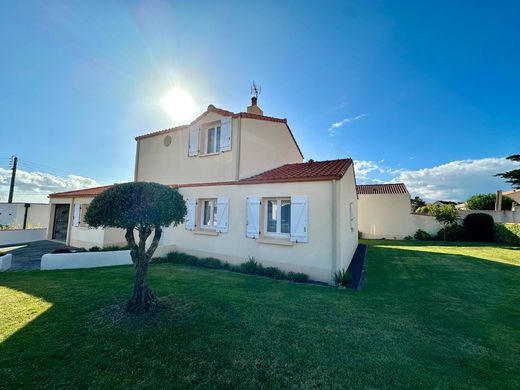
(309,171)
(77,193)
(220,111)
(380,189)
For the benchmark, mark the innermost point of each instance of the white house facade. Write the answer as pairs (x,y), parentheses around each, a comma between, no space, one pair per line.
(248,194)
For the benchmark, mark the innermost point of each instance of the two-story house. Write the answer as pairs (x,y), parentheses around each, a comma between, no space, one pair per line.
(248,194)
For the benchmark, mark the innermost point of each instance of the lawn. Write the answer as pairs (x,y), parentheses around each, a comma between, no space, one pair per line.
(430,316)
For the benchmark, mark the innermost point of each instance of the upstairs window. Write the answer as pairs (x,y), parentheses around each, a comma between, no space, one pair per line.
(213,140)
(278,217)
(209,214)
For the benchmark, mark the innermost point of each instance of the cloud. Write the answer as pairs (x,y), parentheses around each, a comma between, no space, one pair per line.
(35,186)
(455,180)
(332,129)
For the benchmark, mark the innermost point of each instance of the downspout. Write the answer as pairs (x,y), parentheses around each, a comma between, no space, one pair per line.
(239,146)
(334,225)
(27,205)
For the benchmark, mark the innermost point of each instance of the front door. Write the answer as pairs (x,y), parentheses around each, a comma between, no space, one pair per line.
(61,222)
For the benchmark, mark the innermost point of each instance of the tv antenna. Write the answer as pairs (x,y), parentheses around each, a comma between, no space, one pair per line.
(256,90)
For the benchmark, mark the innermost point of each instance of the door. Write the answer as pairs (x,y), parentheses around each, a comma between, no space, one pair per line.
(61,222)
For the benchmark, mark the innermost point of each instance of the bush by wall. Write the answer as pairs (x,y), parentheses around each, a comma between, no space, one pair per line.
(479,227)
(454,232)
(250,267)
(507,233)
(421,235)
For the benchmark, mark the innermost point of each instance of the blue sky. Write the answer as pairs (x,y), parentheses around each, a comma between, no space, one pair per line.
(423,92)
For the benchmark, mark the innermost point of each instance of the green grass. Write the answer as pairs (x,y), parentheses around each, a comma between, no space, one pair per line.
(431,316)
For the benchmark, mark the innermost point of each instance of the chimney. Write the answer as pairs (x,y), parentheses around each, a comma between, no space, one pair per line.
(498,201)
(253,108)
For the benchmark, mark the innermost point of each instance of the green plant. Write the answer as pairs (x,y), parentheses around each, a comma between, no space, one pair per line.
(342,277)
(275,273)
(487,202)
(479,227)
(453,232)
(512,176)
(446,215)
(94,249)
(422,210)
(299,277)
(359,235)
(112,248)
(252,267)
(408,238)
(79,250)
(141,208)
(507,233)
(210,262)
(421,235)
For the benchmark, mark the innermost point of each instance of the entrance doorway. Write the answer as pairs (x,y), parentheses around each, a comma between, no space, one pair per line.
(61,222)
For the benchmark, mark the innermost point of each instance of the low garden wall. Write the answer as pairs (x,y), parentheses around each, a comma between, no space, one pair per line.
(18,236)
(85,260)
(5,262)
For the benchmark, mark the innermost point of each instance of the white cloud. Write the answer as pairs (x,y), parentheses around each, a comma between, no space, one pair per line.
(364,168)
(332,129)
(456,180)
(35,186)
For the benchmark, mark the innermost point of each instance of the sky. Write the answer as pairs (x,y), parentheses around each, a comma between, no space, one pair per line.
(425,93)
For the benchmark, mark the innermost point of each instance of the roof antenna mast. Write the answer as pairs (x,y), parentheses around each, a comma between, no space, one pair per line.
(256,90)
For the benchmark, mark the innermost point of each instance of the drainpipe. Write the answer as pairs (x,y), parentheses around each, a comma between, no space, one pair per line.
(27,205)
(239,146)
(334,235)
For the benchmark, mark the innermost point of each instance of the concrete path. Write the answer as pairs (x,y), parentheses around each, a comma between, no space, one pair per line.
(27,257)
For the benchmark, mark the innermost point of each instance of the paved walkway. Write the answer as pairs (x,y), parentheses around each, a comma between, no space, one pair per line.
(27,257)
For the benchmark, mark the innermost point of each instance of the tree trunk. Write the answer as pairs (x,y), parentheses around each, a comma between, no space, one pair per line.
(444,231)
(143,300)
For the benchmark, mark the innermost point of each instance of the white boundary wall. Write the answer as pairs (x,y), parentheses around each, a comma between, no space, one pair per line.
(19,236)
(85,260)
(5,262)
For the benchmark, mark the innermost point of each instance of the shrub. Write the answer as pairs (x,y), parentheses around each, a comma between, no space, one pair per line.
(61,250)
(454,232)
(408,238)
(342,277)
(275,273)
(79,250)
(479,227)
(299,277)
(112,248)
(210,262)
(95,249)
(252,267)
(487,202)
(507,233)
(422,210)
(359,235)
(421,235)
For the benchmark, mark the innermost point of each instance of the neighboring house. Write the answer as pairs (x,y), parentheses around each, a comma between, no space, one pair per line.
(514,194)
(24,215)
(441,203)
(384,211)
(248,194)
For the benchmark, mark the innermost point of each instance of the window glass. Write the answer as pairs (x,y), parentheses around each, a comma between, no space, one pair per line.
(210,147)
(272,215)
(286,216)
(207,213)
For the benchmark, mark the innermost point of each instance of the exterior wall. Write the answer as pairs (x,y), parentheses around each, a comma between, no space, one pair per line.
(503,216)
(13,214)
(171,165)
(84,260)
(314,257)
(515,195)
(348,232)
(384,216)
(423,222)
(19,236)
(265,145)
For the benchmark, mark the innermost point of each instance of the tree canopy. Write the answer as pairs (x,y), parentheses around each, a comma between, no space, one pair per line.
(445,215)
(487,202)
(513,176)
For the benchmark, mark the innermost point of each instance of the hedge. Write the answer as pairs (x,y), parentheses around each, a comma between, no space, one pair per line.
(508,233)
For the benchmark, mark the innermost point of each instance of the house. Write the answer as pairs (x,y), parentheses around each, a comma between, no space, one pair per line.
(513,194)
(384,211)
(248,194)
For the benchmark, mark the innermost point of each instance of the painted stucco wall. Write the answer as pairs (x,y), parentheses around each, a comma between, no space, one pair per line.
(384,216)
(348,232)
(171,164)
(265,145)
(85,260)
(18,236)
(13,214)
(314,257)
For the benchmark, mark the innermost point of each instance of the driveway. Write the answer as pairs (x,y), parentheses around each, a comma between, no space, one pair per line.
(27,257)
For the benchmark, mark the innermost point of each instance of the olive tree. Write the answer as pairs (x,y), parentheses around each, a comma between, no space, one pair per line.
(140,209)
(445,215)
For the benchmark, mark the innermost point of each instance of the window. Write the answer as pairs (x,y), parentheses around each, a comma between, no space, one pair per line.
(213,140)
(278,217)
(209,214)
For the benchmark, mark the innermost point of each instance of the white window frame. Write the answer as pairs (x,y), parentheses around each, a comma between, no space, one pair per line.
(215,147)
(213,208)
(278,232)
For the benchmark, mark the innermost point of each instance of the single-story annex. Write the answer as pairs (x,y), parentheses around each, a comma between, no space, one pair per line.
(248,194)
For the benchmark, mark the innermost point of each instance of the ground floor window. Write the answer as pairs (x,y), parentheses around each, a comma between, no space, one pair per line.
(278,217)
(209,214)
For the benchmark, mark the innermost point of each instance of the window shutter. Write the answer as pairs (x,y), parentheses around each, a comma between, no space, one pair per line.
(225,133)
(193,146)
(253,217)
(299,218)
(76,216)
(222,214)
(191,205)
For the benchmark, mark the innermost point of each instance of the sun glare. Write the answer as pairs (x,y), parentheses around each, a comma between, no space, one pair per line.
(179,105)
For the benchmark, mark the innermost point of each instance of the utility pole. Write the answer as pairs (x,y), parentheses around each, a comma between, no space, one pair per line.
(13,177)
